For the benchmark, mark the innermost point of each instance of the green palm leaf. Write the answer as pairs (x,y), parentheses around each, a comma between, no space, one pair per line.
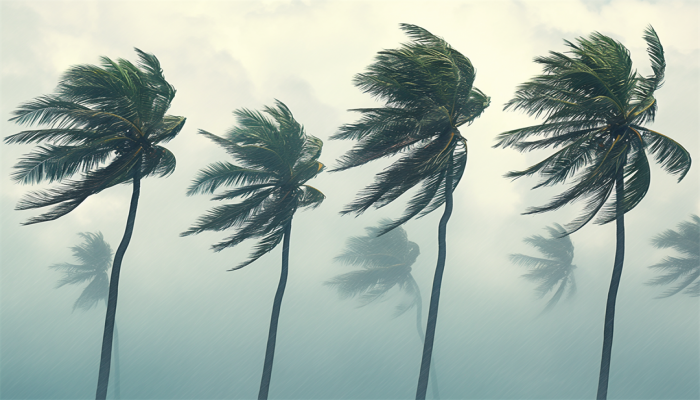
(274,160)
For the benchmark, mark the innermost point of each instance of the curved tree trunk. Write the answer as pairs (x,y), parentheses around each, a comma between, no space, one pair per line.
(117,371)
(106,355)
(419,326)
(272,336)
(435,294)
(612,293)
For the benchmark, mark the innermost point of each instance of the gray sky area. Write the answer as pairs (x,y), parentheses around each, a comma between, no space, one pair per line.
(188,329)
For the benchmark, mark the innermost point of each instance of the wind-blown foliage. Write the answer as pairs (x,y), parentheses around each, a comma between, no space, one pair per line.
(427,87)
(94,258)
(684,272)
(595,107)
(275,159)
(103,121)
(552,270)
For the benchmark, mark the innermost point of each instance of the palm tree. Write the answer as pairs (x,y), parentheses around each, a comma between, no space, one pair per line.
(595,107)
(95,258)
(386,263)
(428,89)
(555,269)
(276,158)
(104,123)
(687,269)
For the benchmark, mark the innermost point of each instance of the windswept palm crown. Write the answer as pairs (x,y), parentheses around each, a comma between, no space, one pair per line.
(684,269)
(595,107)
(555,268)
(94,258)
(103,122)
(275,158)
(428,90)
(385,261)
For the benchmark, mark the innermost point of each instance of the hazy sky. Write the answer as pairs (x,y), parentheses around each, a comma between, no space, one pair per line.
(189,329)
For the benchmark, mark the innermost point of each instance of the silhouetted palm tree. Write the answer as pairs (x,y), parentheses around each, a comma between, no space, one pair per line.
(428,89)
(386,263)
(95,258)
(595,107)
(686,269)
(105,123)
(555,269)
(276,158)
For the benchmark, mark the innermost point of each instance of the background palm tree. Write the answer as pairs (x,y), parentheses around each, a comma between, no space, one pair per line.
(686,269)
(386,262)
(276,158)
(428,89)
(555,269)
(595,107)
(104,123)
(94,257)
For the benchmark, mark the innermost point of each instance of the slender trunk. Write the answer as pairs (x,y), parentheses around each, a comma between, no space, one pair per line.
(435,294)
(272,336)
(117,372)
(106,355)
(419,326)
(612,293)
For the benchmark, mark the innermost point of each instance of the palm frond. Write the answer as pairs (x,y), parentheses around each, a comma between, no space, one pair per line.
(427,88)
(274,160)
(101,120)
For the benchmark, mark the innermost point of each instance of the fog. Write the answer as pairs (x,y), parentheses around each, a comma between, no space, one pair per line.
(189,329)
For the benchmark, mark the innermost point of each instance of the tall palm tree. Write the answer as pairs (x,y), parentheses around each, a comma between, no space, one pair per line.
(105,123)
(275,160)
(686,269)
(555,269)
(94,257)
(386,263)
(428,89)
(595,107)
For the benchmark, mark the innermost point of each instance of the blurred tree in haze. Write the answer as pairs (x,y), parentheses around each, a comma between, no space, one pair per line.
(555,269)
(94,258)
(595,107)
(275,160)
(686,269)
(428,90)
(105,123)
(386,262)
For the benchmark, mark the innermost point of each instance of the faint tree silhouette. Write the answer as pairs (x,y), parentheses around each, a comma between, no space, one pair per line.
(684,269)
(385,263)
(555,269)
(94,258)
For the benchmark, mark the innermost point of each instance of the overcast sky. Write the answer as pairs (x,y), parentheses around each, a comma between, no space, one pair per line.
(189,329)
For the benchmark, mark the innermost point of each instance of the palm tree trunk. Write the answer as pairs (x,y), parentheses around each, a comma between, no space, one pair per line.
(612,293)
(419,327)
(117,371)
(272,336)
(435,294)
(106,355)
